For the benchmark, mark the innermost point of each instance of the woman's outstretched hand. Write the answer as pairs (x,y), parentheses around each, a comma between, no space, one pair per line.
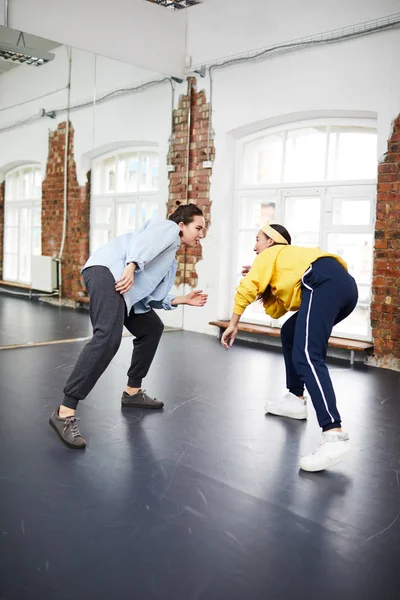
(229,336)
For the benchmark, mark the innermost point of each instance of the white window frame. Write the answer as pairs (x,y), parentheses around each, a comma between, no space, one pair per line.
(280,191)
(29,203)
(114,199)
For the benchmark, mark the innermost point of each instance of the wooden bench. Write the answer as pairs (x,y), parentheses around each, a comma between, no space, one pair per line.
(80,300)
(334,342)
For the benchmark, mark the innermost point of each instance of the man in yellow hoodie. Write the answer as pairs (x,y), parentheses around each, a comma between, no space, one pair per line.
(317,286)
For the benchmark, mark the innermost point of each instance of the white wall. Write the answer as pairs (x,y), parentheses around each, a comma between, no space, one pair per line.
(132,31)
(356,77)
(220,28)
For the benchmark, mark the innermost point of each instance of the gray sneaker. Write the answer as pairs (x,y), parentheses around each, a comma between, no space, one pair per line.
(68,430)
(140,400)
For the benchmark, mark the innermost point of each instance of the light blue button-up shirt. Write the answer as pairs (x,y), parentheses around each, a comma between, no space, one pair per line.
(153,248)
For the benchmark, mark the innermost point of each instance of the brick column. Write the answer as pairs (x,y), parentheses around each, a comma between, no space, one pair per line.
(198,184)
(76,247)
(385,307)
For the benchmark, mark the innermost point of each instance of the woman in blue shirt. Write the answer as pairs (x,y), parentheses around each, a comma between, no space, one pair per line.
(127,279)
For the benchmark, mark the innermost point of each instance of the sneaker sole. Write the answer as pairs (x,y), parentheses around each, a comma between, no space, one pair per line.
(282,414)
(331,463)
(65,441)
(145,406)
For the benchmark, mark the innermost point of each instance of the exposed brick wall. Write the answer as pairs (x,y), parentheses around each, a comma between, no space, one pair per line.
(385,309)
(2,193)
(76,247)
(199,178)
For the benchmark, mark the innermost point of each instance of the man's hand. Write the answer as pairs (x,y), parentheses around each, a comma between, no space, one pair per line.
(124,284)
(245,269)
(196,298)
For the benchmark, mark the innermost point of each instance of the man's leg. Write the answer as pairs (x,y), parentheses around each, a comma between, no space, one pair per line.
(147,329)
(107,311)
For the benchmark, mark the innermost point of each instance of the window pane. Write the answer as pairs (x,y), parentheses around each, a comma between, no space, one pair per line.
(305,155)
(263,160)
(351,212)
(27,184)
(247,240)
(145,174)
(36,241)
(132,173)
(256,212)
(11,187)
(37,217)
(155,172)
(109,166)
(121,169)
(357,250)
(10,216)
(11,240)
(97,179)
(126,218)
(25,249)
(100,237)
(155,210)
(352,154)
(10,267)
(302,219)
(102,215)
(37,184)
(356,324)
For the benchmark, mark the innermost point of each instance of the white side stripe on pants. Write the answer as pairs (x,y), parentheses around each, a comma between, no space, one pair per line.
(306,344)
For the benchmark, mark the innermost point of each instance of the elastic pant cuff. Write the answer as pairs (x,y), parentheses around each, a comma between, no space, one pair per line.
(135,383)
(70,402)
(297,391)
(336,425)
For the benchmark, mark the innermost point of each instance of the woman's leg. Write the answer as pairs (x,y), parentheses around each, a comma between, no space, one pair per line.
(293,382)
(293,404)
(329,294)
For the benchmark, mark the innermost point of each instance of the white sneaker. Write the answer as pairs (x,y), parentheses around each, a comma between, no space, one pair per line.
(290,406)
(333,448)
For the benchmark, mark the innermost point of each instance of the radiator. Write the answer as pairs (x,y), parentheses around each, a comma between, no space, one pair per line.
(44,273)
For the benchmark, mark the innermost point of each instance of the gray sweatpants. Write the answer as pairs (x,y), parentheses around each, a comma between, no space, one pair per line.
(108,315)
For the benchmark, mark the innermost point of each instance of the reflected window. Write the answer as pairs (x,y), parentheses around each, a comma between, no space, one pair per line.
(125,193)
(22,222)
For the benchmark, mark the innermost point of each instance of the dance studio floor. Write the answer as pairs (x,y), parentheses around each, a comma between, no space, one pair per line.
(202,501)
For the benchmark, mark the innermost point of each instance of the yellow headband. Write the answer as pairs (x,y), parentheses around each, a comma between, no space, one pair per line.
(272,233)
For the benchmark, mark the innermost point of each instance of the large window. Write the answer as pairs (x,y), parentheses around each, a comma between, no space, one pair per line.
(22,222)
(124,193)
(319,180)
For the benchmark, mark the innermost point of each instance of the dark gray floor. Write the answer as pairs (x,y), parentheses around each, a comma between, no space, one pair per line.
(202,501)
(24,321)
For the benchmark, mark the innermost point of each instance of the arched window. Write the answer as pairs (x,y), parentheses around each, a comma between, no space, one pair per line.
(22,222)
(318,178)
(125,193)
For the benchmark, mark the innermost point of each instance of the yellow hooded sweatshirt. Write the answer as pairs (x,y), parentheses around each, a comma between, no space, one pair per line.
(281,267)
